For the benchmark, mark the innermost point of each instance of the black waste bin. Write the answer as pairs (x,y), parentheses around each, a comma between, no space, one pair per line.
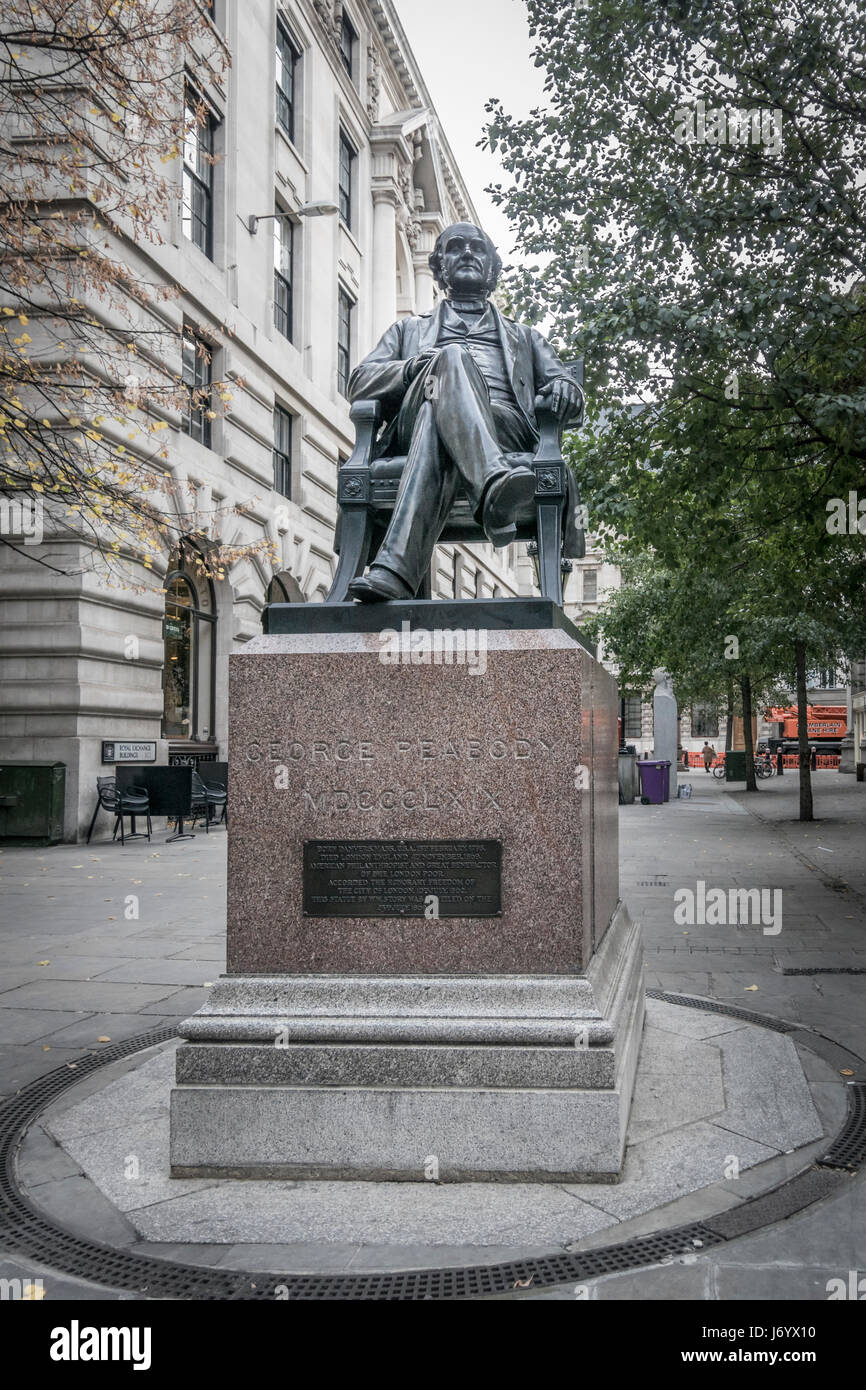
(735,766)
(31,803)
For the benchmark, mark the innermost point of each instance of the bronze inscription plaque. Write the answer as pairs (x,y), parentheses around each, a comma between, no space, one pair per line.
(402,878)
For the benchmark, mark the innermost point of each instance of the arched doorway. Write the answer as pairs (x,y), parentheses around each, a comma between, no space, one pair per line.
(189,635)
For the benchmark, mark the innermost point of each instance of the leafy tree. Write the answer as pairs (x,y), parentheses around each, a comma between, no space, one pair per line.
(693,197)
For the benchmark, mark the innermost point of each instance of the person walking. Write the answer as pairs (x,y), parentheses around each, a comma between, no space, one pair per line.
(708,753)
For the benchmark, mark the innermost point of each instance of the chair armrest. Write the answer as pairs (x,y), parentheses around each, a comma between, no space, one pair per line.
(353,479)
(365,417)
(550,434)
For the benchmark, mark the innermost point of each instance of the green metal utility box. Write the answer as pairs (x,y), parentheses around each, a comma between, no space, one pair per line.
(31,803)
(735,766)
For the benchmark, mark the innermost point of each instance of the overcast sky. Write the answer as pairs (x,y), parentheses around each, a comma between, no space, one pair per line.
(469,51)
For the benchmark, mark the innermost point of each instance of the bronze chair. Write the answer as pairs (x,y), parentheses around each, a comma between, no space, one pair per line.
(367,489)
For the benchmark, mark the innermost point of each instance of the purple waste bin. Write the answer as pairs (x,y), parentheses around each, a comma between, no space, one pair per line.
(654,782)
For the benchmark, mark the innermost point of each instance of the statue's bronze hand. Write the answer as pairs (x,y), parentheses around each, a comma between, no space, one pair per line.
(420,363)
(563,398)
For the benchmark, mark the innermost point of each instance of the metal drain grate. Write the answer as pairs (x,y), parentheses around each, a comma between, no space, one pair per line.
(848,1149)
(711,1006)
(25,1230)
(823,970)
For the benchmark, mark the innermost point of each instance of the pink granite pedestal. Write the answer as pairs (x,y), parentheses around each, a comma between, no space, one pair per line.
(497,1046)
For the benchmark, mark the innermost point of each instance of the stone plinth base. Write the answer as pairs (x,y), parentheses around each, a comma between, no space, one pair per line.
(429,972)
(460,1078)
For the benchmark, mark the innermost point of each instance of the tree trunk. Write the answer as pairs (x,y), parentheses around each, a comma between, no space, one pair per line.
(803,734)
(746,691)
(729,727)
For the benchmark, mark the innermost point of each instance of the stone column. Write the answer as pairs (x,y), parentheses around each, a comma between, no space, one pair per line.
(425,286)
(385,203)
(391,153)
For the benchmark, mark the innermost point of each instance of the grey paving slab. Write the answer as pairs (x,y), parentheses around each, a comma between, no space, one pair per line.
(85,1032)
(779,1113)
(772,1283)
(30,1025)
(109,1108)
(180,1004)
(162,972)
(44,1158)
(674,1282)
(412,1214)
(695,1206)
(204,951)
(370,1258)
(176,1253)
(297,1258)
(63,966)
(89,995)
(13,976)
(699,1093)
(77,1204)
(668,1166)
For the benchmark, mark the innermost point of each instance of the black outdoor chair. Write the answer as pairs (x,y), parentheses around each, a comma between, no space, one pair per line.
(205,797)
(367,490)
(132,802)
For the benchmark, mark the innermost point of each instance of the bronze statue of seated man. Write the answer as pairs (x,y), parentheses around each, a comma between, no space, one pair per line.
(458,389)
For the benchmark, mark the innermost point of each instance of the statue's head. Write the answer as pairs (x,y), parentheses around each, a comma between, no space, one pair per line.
(465,262)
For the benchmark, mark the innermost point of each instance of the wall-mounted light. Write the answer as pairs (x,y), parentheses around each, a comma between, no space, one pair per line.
(320,209)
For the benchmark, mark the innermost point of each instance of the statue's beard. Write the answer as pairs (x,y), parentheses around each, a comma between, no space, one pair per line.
(467,296)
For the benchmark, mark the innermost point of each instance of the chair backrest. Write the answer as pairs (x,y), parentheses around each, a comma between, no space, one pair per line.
(198,786)
(106,788)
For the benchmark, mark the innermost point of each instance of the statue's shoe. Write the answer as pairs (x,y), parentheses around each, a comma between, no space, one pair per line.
(378,586)
(506,497)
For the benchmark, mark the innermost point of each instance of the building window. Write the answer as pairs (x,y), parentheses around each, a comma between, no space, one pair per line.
(198,160)
(288,59)
(189,634)
(344,342)
(282,452)
(631,717)
(590,586)
(348,39)
(348,155)
(196,374)
(824,678)
(284,253)
(705,722)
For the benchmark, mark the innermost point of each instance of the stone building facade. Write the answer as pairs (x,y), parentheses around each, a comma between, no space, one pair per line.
(323,104)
